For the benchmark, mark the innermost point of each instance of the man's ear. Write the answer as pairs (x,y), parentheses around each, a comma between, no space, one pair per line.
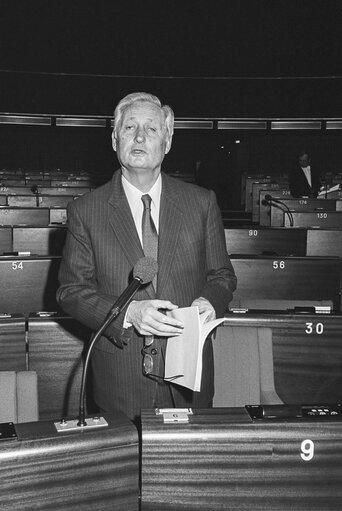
(113,141)
(168,144)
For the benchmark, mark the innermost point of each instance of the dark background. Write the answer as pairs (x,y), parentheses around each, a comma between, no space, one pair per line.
(218,59)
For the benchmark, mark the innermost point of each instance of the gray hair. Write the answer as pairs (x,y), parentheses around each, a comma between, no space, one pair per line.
(149,98)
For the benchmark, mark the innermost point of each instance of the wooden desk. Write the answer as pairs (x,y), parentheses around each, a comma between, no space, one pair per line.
(43,240)
(24,216)
(324,242)
(279,218)
(266,282)
(43,469)
(323,219)
(5,239)
(222,460)
(30,283)
(262,240)
(13,356)
(307,352)
(273,187)
(56,348)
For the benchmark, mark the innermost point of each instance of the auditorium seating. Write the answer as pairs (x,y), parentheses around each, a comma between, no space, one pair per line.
(274,265)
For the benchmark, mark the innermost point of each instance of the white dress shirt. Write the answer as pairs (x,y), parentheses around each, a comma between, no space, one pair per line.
(134,195)
(307,172)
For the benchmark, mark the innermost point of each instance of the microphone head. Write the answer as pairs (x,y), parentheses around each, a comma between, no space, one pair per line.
(268,197)
(145,269)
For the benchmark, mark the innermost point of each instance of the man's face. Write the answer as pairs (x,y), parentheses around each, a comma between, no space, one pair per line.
(304,160)
(141,140)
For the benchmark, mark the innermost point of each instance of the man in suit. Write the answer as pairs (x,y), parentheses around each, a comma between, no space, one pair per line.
(304,179)
(105,240)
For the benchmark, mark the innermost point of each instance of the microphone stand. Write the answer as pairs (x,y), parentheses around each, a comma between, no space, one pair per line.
(285,209)
(144,271)
(81,423)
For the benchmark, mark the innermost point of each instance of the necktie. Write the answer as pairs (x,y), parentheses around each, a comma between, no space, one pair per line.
(149,233)
(150,244)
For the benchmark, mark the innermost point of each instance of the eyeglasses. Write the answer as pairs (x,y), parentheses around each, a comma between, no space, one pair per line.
(147,364)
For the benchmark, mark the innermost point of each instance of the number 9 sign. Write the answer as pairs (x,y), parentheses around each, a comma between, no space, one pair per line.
(307,449)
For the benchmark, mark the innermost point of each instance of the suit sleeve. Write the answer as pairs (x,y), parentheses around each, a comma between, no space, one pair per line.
(221,279)
(78,294)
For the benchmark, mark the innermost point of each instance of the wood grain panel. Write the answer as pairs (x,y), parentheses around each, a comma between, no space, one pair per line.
(39,240)
(283,282)
(30,282)
(324,242)
(221,460)
(12,343)
(45,470)
(259,240)
(307,353)
(56,347)
(5,239)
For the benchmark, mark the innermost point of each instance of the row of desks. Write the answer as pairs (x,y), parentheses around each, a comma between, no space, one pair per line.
(306,351)
(264,282)
(252,240)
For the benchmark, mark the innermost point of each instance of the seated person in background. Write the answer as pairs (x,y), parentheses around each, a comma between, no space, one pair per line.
(304,179)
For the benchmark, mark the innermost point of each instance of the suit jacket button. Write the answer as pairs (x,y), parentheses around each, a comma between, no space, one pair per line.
(154,351)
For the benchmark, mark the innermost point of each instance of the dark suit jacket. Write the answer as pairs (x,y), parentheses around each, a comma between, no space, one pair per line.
(101,249)
(299,185)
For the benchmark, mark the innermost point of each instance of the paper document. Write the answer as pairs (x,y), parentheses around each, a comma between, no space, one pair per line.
(184,352)
(330,190)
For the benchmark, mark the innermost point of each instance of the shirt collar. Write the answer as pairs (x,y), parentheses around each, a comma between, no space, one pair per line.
(134,195)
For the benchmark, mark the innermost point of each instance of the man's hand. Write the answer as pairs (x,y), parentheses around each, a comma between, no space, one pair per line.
(203,306)
(147,319)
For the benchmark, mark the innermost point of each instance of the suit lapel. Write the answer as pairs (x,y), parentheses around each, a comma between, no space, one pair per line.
(170,222)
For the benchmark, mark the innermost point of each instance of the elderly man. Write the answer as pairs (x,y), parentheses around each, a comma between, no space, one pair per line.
(105,240)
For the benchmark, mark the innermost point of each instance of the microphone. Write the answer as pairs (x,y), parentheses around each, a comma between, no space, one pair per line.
(143,273)
(35,190)
(269,199)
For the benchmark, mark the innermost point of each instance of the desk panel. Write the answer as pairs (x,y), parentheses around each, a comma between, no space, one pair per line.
(280,283)
(307,353)
(326,219)
(12,342)
(30,283)
(262,240)
(324,242)
(56,349)
(5,239)
(24,216)
(96,469)
(299,205)
(42,240)
(271,187)
(264,207)
(221,460)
